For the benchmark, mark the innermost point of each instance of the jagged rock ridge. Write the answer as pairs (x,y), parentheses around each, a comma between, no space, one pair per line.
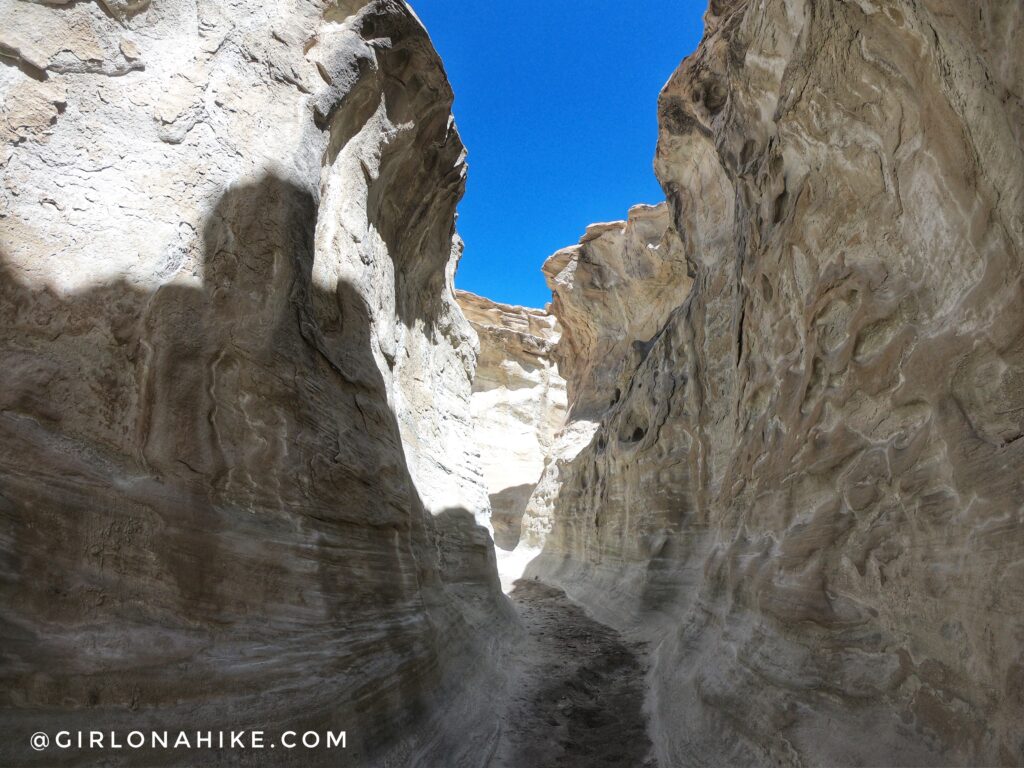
(613,292)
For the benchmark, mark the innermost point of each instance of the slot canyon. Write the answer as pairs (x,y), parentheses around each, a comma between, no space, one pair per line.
(748,492)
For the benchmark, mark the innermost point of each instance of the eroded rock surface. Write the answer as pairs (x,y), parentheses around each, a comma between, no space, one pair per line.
(238,479)
(235,482)
(576,691)
(612,293)
(808,493)
(518,404)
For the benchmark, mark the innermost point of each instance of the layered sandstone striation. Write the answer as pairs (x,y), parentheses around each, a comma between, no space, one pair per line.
(612,293)
(518,404)
(235,482)
(808,490)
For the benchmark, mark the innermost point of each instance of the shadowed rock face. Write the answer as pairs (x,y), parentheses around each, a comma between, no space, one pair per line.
(234,401)
(809,492)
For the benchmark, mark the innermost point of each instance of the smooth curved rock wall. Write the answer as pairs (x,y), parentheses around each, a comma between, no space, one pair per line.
(234,477)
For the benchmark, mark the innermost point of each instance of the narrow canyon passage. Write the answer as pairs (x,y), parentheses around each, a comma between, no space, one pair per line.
(576,692)
(265,472)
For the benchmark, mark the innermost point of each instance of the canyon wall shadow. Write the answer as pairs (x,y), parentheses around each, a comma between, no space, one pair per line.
(206,515)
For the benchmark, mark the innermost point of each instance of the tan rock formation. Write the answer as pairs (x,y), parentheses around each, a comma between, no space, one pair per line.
(235,480)
(518,404)
(613,292)
(809,492)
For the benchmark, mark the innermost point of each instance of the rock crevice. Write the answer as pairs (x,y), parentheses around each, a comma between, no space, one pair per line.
(252,440)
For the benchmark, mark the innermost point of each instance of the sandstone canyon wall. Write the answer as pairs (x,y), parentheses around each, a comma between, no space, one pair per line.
(235,487)
(518,405)
(245,470)
(805,488)
(612,292)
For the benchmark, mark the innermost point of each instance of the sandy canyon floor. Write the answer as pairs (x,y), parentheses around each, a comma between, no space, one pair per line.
(577,694)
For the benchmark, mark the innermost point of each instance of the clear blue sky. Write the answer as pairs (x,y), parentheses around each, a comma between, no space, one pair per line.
(557,104)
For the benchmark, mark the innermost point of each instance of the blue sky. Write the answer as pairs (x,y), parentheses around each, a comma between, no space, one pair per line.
(557,103)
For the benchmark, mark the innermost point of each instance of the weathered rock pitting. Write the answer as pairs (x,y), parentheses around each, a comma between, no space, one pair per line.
(613,292)
(808,493)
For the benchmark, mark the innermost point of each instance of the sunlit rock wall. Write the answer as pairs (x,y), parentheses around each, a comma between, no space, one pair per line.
(809,494)
(612,293)
(235,480)
(518,404)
